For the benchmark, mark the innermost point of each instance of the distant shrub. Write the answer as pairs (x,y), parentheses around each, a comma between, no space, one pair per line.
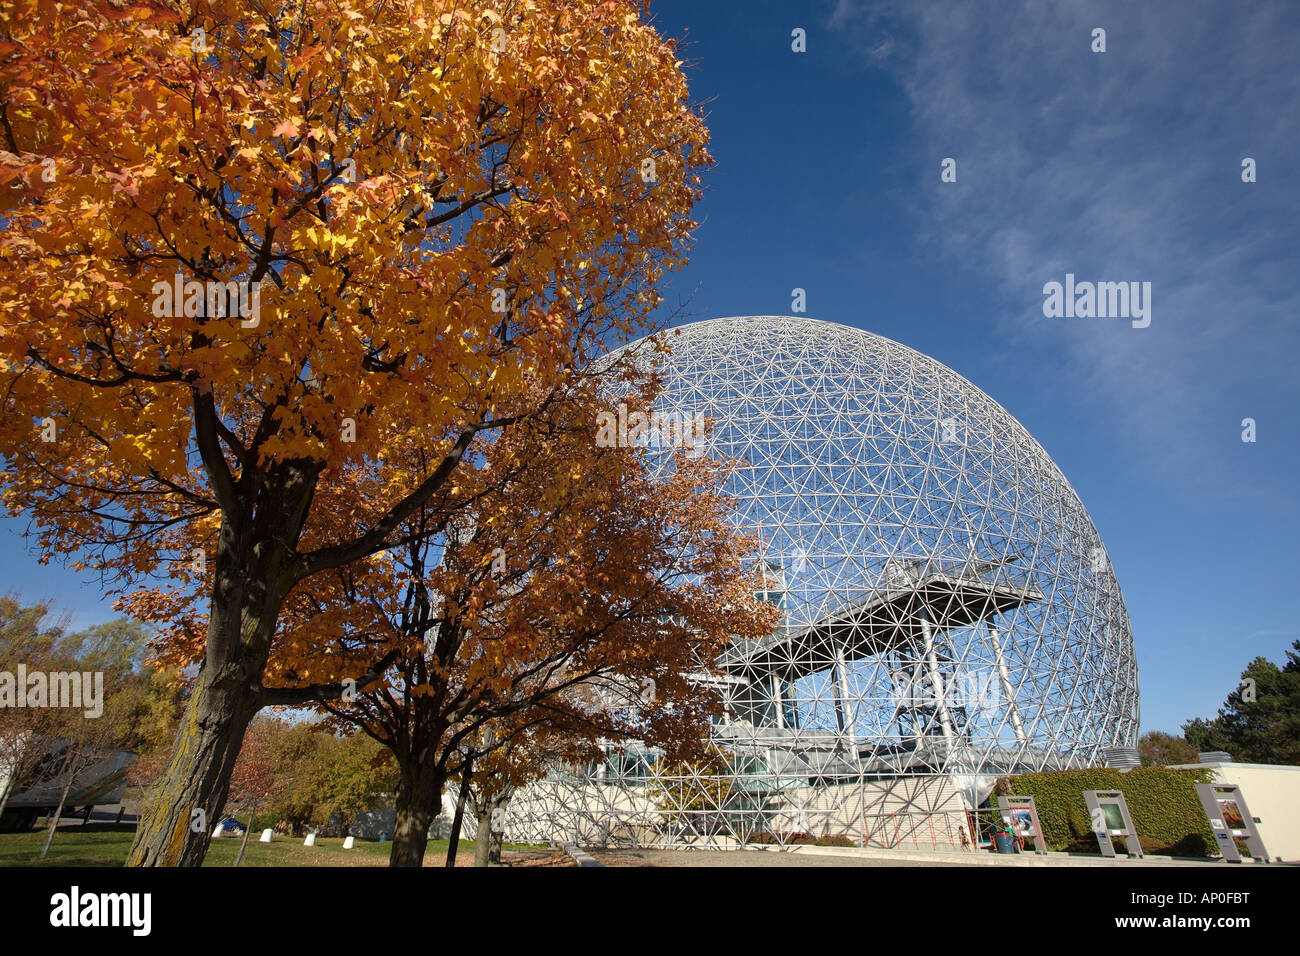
(835,839)
(766,838)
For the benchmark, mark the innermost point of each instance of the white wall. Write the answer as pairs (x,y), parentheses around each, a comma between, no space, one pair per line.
(1272,792)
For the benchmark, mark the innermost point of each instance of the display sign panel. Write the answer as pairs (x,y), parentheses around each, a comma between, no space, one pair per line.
(1110,818)
(1230,820)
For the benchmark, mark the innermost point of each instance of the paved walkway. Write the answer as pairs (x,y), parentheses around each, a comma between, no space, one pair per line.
(873,856)
(985,858)
(737,858)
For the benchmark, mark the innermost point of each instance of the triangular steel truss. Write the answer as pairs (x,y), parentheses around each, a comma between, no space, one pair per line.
(950,612)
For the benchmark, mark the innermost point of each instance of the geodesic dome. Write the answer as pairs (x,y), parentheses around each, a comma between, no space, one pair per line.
(950,611)
(874,469)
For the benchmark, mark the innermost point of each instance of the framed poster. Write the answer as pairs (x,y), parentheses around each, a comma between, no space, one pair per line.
(1021,815)
(1232,818)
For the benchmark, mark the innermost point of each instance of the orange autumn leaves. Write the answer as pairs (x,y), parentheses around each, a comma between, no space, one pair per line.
(447,209)
(569,570)
(394,233)
(558,566)
(437,228)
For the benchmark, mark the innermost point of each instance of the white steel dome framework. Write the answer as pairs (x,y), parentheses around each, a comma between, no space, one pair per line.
(950,613)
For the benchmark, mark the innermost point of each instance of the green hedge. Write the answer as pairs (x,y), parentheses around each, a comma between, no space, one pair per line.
(1166,811)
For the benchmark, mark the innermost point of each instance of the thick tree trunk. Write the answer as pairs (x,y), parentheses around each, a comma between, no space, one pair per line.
(483,837)
(419,798)
(490,837)
(500,800)
(494,847)
(252,575)
(198,774)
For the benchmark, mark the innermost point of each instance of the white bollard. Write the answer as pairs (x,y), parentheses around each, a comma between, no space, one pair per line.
(310,841)
(265,837)
(349,843)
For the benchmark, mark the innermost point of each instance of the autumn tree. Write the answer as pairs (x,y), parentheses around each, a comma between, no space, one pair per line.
(81,697)
(85,742)
(259,775)
(507,756)
(496,775)
(306,777)
(698,794)
(345,777)
(67,701)
(252,249)
(576,570)
(1157,748)
(28,638)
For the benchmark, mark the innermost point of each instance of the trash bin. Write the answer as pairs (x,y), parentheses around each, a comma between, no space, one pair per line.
(1004,841)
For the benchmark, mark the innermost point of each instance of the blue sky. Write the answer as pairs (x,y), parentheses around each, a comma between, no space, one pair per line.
(1123,165)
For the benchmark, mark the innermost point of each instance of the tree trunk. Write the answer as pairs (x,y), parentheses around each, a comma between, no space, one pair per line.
(252,575)
(489,840)
(500,800)
(58,815)
(454,843)
(243,844)
(419,798)
(198,773)
(483,838)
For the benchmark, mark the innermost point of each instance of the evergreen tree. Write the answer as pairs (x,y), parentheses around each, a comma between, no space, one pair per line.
(1260,720)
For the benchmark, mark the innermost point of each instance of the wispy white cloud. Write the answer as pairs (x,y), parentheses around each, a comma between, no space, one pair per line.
(1123,165)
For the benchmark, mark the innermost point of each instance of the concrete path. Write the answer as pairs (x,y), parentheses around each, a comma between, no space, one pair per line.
(874,856)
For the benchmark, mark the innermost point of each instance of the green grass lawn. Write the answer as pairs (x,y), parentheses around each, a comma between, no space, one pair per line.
(108,845)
